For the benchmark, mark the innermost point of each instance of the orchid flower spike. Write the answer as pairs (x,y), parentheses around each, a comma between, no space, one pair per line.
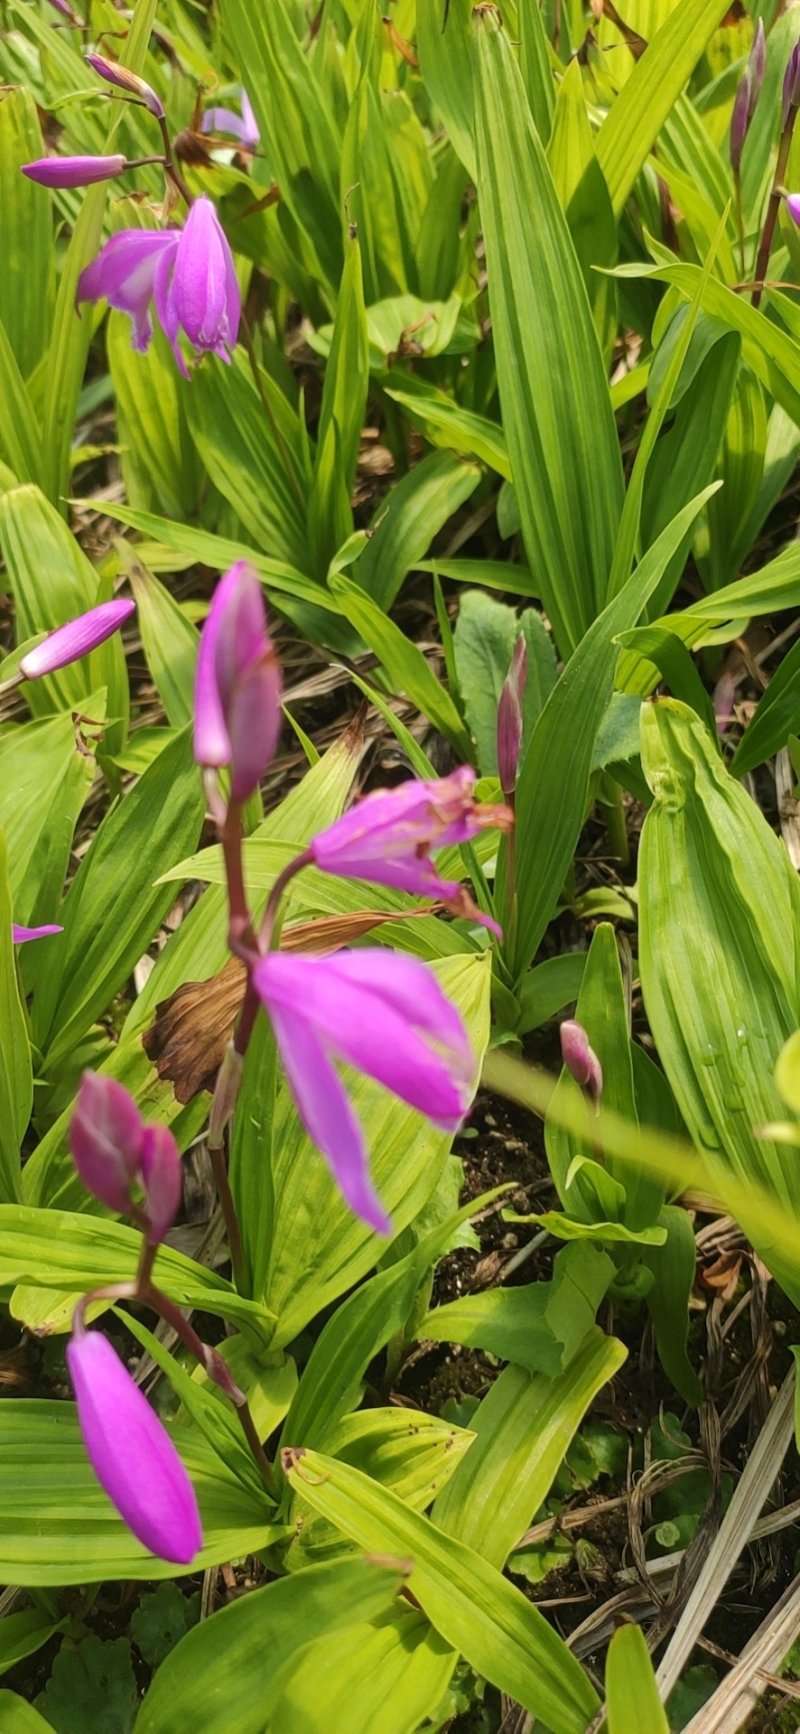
(386,1015)
(73,171)
(70,642)
(388,837)
(113,1149)
(237,719)
(187,274)
(131,1453)
(128,81)
(580,1059)
(21,935)
(243,127)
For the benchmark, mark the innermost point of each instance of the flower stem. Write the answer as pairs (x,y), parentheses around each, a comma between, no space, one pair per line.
(171,169)
(286,874)
(773,207)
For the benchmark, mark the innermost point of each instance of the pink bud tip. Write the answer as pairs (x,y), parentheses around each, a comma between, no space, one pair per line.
(73,171)
(131,1453)
(793,206)
(70,642)
(113,73)
(238,684)
(509,718)
(106,1135)
(162,1178)
(580,1059)
(21,935)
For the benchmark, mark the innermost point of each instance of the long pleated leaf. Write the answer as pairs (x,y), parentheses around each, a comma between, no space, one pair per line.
(556,407)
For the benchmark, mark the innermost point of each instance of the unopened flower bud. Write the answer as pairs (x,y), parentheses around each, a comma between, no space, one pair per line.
(128,81)
(73,171)
(131,1452)
(162,1179)
(791,84)
(105,1136)
(69,643)
(747,96)
(238,715)
(509,718)
(792,203)
(580,1059)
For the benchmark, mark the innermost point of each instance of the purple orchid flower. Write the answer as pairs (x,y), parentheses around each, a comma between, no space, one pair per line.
(128,81)
(243,127)
(386,1015)
(75,639)
(21,935)
(131,1453)
(388,837)
(187,274)
(238,684)
(73,171)
(580,1059)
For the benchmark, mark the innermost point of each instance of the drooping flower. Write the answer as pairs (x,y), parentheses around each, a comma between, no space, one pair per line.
(73,171)
(128,81)
(131,1453)
(389,835)
(106,1133)
(203,295)
(243,127)
(237,718)
(509,718)
(75,639)
(21,935)
(187,274)
(580,1058)
(387,1016)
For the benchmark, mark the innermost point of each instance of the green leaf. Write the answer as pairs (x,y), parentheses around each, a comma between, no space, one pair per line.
(26,286)
(344,398)
(549,988)
(21,435)
(45,776)
(448,424)
(404,664)
(468,1601)
(16,1075)
(63,1249)
(493,574)
(776,717)
(162,1618)
(169,639)
(18,1717)
(673,1266)
(234,1657)
(550,805)
(21,1635)
(61,1528)
(444,52)
(715,883)
(523,1428)
(639,111)
(539,1326)
(52,581)
(92,1685)
(567,472)
(390,1676)
(253,453)
(632,1700)
(161,468)
(114,905)
(405,524)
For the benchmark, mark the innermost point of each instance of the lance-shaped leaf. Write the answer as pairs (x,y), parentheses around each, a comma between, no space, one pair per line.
(556,407)
(720,915)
